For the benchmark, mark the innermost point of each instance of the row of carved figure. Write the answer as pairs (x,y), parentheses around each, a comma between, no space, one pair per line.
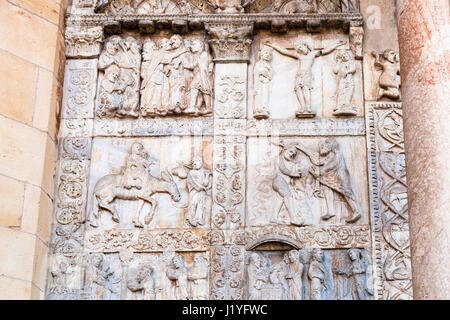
(158,278)
(303,275)
(168,277)
(176,78)
(225,6)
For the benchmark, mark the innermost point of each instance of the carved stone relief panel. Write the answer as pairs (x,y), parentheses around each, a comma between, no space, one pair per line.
(150,183)
(307,181)
(303,75)
(309,274)
(158,76)
(389,188)
(227,150)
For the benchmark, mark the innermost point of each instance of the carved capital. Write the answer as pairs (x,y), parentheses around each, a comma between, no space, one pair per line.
(230,42)
(82,42)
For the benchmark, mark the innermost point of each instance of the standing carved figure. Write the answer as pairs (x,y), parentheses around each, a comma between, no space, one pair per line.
(329,169)
(198,278)
(345,70)
(305,54)
(284,183)
(179,274)
(154,85)
(389,82)
(257,277)
(359,275)
(316,274)
(294,275)
(262,79)
(200,102)
(349,5)
(178,66)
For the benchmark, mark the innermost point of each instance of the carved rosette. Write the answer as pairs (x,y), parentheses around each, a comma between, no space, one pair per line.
(230,42)
(79,89)
(390,204)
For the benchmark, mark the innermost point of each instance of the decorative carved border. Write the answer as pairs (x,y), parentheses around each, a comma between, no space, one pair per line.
(397,285)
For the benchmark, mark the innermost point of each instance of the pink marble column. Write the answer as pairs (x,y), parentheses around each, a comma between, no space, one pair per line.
(424,35)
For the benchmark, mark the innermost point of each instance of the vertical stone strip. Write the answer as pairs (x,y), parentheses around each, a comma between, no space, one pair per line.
(389,203)
(424,31)
(75,142)
(230,44)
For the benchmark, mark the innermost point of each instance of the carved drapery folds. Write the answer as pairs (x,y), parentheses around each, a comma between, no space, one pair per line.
(217,150)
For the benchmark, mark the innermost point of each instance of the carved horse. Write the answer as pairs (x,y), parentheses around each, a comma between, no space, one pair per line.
(110,187)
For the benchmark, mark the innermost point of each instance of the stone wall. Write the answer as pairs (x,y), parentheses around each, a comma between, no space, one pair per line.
(31,76)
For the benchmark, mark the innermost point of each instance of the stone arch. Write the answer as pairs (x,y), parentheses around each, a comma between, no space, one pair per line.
(272,238)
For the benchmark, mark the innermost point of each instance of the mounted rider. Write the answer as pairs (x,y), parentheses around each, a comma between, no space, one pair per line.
(137,167)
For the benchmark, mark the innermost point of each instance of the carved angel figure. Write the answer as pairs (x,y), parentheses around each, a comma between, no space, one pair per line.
(305,54)
(345,70)
(262,78)
(389,82)
(198,278)
(330,170)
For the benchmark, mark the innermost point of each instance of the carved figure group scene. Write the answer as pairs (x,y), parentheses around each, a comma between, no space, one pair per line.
(154,77)
(309,274)
(306,76)
(229,149)
(144,190)
(303,181)
(123,7)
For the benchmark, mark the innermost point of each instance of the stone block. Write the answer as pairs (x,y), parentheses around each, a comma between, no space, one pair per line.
(14,289)
(11,201)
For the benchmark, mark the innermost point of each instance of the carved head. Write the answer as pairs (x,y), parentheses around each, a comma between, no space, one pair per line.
(290,153)
(303,47)
(293,256)
(176,41)
(178,261)
(328,145)
(137,148)
(197,46)
(354,254)
(255,259)
(148,48)
(266,54)
(113,73)
(97,260)
(390,55)
(197,163)
(344,55)
(166,44)
(112,45)
(317,255)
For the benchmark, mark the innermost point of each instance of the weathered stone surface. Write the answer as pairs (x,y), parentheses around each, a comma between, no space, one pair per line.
(229,155)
